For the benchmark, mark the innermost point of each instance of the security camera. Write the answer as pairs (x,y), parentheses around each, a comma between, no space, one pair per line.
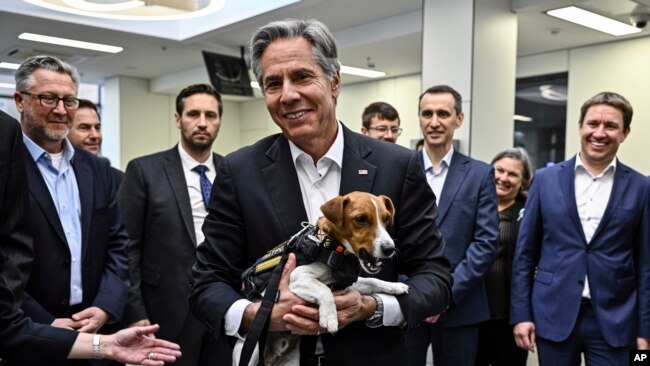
(640,16)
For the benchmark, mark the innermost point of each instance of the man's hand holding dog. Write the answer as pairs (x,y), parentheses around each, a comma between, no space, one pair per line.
(351,307)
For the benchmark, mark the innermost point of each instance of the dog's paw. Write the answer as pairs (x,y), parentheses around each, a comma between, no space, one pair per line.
(331,323)
(399,288)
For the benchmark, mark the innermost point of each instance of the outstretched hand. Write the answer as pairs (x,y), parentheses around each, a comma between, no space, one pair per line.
(138,346)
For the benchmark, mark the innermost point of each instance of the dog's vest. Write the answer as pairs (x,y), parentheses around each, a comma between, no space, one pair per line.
(309,246)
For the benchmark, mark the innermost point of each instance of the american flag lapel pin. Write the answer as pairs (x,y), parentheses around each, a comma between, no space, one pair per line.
(363,172)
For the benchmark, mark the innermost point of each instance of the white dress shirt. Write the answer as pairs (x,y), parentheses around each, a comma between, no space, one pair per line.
(318,184)
(194,188)
(592,195)
(437,177)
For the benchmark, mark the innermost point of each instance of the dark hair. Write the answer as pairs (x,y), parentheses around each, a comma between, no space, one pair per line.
(85,103)
(323,44)
(518,153)
(611,99)
(25,80)
(197,89)
(440,89)
(380,110)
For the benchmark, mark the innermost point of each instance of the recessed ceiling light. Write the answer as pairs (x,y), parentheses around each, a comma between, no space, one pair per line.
(593,21)
(9,65)
(70,43)
(8,85)
(361,72)
(519,117)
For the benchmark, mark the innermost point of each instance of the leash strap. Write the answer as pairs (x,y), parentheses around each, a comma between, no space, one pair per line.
(261,320)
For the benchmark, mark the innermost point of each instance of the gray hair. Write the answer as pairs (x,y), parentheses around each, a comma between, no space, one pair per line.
(25,80)
(518,153)
(323,50)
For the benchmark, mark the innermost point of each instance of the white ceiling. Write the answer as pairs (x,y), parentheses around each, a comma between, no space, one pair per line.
(387,31)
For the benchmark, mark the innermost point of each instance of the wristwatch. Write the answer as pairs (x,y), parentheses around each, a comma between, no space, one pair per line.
(377,319)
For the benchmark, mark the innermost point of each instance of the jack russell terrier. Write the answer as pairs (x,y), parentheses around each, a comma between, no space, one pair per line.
(350,236)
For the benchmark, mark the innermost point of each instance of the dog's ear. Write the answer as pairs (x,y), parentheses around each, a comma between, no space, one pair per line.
(333,209)
(389,206)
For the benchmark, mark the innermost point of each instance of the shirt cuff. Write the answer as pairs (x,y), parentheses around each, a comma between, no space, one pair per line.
(233,318)
(393,316)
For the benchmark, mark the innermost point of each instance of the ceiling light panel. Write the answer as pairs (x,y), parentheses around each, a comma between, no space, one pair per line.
(70,43)
(592,20)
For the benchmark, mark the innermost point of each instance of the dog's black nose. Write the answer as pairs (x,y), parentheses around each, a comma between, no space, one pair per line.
(387,249)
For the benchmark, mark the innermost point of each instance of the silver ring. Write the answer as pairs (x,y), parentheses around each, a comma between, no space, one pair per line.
(150,356)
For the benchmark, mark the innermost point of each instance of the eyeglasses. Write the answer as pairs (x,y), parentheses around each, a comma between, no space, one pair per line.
(383,129)
(51,101)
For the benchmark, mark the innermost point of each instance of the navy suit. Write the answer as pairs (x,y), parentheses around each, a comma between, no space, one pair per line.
(256,204)
(20,339)
(104,241)
(553,257)
(158,216)
(469,221)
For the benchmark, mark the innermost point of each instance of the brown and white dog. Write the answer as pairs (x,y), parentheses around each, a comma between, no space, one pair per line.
(358,221)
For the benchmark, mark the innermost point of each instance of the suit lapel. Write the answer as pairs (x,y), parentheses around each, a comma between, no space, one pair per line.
(621,180)
(174,171)
(84,176)
(455,175)
(283,187)
(567,185)
(42,196)
(357,174)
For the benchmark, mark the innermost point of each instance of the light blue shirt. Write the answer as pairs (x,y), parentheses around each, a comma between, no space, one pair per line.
(62,184)
(437,177)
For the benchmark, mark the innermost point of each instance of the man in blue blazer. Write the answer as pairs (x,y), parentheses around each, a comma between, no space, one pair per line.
(79,276)
(468,220)
(581,273)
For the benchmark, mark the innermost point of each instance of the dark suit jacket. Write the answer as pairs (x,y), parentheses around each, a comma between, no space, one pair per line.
(14,228)
(20,339)
(104,241)
(158,218)
(256,204)
(469,221)
(552,258)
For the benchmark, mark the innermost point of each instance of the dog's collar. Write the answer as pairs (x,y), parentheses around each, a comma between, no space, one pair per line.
(319,246)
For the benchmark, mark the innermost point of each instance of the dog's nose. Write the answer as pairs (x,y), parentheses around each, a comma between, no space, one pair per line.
(387,249)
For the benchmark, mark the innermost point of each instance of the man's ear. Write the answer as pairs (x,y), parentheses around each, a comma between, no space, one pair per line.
(333,209)
(177,119)
(364,131)
(336,85)
(18,99)
(460,119)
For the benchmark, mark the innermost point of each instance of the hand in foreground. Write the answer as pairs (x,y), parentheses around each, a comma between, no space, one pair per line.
(642,343)
(525,335)
(137,346)
(93,317)
(142,323)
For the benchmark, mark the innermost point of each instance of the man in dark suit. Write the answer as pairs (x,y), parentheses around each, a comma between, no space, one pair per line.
(164,209)
(581,273)
(263,192)
(86,133)
(79,277)
(469,221)
(21,340)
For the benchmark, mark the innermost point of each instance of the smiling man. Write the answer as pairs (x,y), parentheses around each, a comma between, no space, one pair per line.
(264,192)
(163,198)
(469,222)
(381,121)
(581,272)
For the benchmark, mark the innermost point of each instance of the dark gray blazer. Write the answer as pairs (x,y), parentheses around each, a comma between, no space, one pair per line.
(19,337)
(162,250)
